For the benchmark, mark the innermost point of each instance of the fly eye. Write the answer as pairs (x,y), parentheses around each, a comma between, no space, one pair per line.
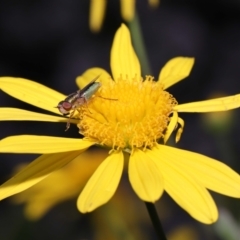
(64,107)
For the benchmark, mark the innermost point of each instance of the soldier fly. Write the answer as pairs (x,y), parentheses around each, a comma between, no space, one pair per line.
(78,98)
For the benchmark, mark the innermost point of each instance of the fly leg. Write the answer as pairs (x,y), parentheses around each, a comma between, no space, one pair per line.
(69,118)
(113,99)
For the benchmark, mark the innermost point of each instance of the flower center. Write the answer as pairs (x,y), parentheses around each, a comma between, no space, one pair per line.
(127,114)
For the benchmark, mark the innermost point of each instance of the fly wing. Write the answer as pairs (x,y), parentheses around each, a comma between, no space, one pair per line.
(71,97)
(89,85)
(91,90)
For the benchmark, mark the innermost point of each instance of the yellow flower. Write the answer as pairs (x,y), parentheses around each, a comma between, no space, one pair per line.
(98,8)
(128,115)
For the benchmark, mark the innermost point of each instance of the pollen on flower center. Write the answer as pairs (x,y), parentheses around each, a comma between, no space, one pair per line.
(127,114)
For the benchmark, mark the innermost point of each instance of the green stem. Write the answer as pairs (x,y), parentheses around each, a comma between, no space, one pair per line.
(139,46)
(155,221)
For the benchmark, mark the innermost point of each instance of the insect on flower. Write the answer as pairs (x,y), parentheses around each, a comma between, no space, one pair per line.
(78,98)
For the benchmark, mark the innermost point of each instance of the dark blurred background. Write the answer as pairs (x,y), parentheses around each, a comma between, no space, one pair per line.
(50,42)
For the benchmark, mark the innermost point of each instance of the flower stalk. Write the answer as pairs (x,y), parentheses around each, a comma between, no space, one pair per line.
(138,42)
(155,220)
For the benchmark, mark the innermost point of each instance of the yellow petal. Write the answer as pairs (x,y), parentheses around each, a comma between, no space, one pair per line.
(213,105)
(97,12)
(35,172)
(211,173)
(90,74)
(171,126)
(175,70)
(103,183)
(145,178)
(40,198)
(9,114)
(183,188)
(42,144)
(32,92)
(128,9)
(124,60)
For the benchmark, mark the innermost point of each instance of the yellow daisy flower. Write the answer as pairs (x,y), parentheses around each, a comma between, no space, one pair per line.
(128,115)
(98,8)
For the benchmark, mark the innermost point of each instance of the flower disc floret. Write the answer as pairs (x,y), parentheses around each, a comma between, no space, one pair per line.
(127,113)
